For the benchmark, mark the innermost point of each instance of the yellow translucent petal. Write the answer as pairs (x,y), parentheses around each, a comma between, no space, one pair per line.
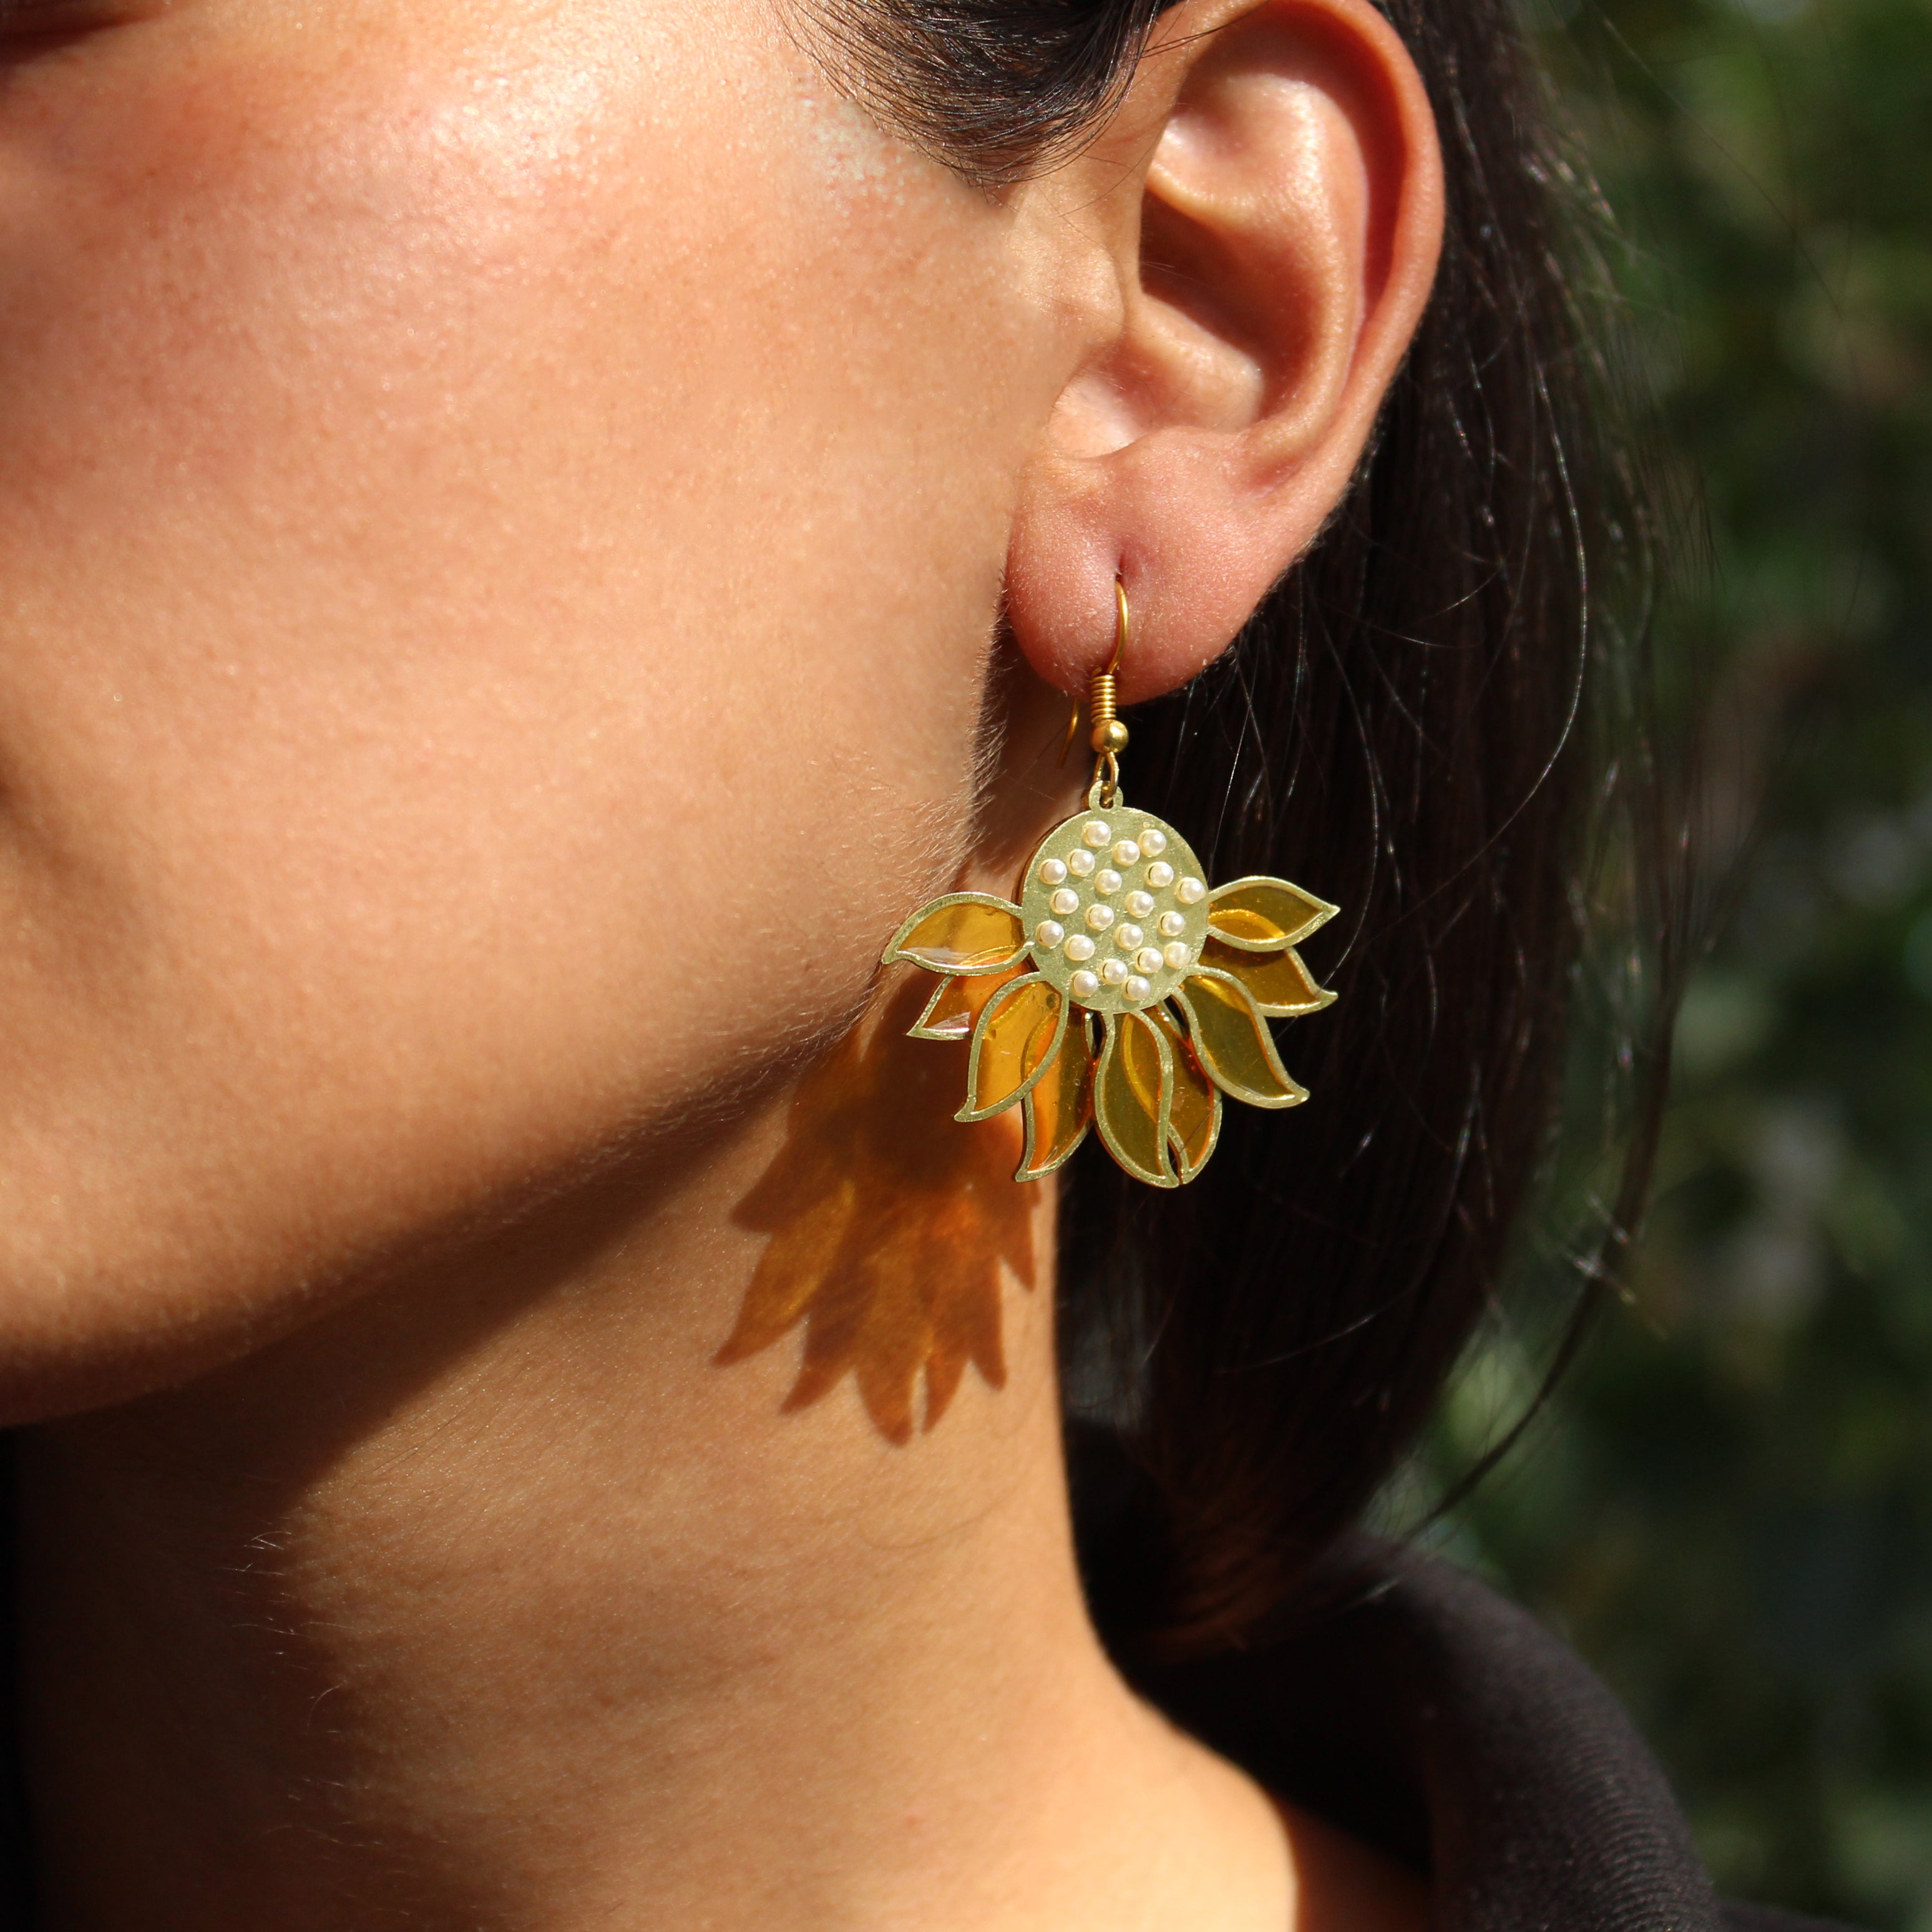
(1133,1088)
(1060,1109)
(1014,1044)
(1194,1116)
(1232,1042)
(1262,914)
(953,1011)
(1280,983)
(964,932)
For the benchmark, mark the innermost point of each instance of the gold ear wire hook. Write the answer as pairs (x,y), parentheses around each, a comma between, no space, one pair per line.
(1108,737)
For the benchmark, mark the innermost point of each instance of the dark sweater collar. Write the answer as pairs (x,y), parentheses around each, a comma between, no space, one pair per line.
(1430,1717)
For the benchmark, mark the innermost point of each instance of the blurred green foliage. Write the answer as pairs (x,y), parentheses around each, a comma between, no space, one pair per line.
(1728,1508)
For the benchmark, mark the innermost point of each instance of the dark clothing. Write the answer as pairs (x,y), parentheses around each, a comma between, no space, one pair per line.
(1431,1717)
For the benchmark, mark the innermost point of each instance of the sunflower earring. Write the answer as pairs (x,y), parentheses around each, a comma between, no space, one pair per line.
(1120,992)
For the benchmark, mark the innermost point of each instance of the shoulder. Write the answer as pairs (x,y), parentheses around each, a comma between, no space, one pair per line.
(1441,1725)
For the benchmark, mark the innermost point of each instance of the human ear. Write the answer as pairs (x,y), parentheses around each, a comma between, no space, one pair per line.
(1276,190)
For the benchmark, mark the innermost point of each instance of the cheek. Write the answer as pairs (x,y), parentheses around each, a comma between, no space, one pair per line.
(494,539)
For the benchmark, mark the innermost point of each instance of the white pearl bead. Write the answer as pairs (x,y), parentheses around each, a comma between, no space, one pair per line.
(1190,891)
(1148,959)
(1084,985)
(1127,853)
(1052,871)
(1113,971)
(1079,947)
(1080,864)
(1099,917)
(1106,882)
(1172,926)
(1160,875)
(1176,954)
(1129,937)
(1153,841)
(1096,832)
(1139,903)
(1136,987)
(1049,934)
(1065,900)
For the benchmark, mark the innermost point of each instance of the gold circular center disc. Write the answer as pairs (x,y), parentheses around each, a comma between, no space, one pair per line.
(1115,906)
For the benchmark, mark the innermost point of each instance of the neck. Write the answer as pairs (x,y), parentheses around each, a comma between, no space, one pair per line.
(489,1601)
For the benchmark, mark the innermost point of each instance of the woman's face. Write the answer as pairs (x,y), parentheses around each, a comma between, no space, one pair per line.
(502,507)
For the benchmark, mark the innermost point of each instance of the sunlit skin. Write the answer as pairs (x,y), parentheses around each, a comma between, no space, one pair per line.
(506,511)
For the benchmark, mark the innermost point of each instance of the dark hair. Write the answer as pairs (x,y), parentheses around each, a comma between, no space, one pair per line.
(1426,721)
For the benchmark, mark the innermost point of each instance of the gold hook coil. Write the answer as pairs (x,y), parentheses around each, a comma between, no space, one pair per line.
(1106,736)
(1108,733)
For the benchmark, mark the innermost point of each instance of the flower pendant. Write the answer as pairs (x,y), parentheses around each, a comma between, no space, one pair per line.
(1119,993)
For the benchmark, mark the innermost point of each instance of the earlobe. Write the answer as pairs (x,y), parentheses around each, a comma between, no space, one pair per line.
(1289,218)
